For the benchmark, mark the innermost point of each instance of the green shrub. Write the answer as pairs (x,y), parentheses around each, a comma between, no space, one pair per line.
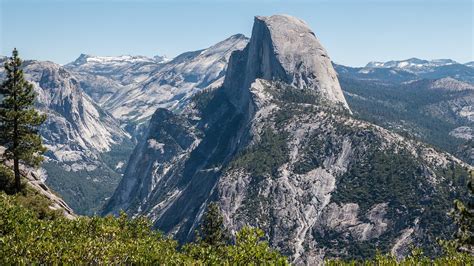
(266,156)
(450,257)
(7,182)
(249,249)
(27,239)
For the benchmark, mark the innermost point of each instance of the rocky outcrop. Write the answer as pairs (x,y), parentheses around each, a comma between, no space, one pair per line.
(283,48)
(169,138)
(34,179)
(76,117)
(451,84)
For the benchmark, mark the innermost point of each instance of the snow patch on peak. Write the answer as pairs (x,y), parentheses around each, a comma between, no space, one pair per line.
(122,59)
(162,58)
(411,63)
(374,64)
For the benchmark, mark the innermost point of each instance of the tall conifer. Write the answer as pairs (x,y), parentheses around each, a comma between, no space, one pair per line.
(212,229)
(19,120)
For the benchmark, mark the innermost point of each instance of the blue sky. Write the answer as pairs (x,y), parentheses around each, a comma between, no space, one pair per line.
(354,32)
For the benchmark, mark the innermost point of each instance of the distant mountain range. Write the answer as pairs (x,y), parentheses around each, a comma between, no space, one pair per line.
(410,69)
(439,112)
(412,64)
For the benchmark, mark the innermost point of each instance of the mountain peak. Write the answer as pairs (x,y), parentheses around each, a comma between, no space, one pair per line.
(82,59)
(236,40)
(161,58)
(238,36)
(284,48)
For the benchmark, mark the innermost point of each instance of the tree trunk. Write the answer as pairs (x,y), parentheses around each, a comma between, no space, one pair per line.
(16,164)
(16,169)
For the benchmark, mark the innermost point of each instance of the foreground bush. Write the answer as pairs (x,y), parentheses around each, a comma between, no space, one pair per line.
(27,238)
(249,249)
(450,257)
(24,238)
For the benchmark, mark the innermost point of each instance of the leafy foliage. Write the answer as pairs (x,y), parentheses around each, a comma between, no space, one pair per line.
(398,179)
(202,98)
(290,94)
(83,196)
(29,197)
(450,257)
(7,182)
(27,238)
(249,249)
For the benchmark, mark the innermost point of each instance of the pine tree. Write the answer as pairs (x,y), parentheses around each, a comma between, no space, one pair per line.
(212,229)
(19,121)
(463,215)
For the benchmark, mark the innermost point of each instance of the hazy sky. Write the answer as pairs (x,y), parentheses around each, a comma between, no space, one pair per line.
(354,32)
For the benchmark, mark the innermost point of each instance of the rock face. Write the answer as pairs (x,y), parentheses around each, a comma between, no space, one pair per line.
(35,179)
(68,107)
(78,135)
(277,147)
(283,48)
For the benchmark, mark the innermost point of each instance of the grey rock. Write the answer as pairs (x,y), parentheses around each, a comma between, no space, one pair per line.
(283,48)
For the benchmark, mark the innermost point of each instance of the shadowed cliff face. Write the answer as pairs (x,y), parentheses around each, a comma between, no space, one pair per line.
(173,171)
(278,148)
